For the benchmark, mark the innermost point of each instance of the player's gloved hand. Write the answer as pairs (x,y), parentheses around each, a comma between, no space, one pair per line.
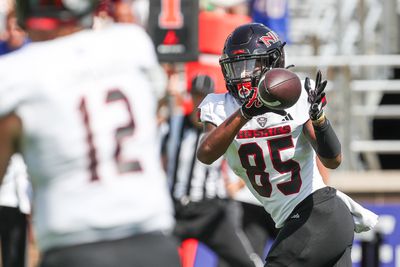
(316,97)
(253,107)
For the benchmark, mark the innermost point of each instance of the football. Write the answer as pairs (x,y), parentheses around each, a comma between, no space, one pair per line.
(279,88)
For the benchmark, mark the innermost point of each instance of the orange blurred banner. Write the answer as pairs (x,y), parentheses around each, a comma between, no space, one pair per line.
(215,27)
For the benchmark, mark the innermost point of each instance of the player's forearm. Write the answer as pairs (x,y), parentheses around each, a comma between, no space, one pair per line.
(215,143)
(10,129)
(328,145)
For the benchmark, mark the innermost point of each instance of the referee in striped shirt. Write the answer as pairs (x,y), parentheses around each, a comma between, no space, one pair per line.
(198,190)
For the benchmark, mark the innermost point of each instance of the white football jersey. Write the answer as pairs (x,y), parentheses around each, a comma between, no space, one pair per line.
(271,153)
(88,111)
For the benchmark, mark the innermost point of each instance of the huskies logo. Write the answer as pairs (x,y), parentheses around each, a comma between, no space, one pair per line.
(270,38)
(262,121)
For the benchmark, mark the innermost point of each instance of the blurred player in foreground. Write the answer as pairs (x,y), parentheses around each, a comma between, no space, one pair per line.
(80,105)
(275,153)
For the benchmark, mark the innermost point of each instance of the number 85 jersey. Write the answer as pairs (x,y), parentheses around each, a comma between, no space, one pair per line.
(270,153)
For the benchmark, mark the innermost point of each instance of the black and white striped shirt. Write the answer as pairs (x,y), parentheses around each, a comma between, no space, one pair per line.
(189,179)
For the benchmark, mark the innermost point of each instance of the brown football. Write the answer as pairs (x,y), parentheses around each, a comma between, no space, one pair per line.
(279,88)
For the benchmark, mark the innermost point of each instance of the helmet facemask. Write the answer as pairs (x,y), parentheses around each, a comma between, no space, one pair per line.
(243,72)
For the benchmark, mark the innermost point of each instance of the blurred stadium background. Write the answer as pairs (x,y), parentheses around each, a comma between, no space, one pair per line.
(356,43)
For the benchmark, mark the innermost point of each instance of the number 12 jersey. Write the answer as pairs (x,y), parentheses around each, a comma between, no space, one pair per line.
(88,109)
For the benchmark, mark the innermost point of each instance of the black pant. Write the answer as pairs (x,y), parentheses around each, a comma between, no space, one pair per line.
(143,250)
(258,226)
(209,222)
(318,233)
(13,230)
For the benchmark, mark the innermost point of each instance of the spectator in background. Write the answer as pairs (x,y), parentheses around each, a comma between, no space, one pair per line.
(14,36)
(15,208)
(4,9)
(81,107)
(198,190)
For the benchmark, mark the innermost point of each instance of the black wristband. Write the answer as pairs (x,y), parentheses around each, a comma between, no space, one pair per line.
(327,141)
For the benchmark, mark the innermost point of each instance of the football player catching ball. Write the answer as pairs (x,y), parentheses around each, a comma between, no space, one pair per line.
(275,152)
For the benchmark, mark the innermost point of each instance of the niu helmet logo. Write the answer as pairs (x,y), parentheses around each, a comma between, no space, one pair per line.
(270,38)
(262,121)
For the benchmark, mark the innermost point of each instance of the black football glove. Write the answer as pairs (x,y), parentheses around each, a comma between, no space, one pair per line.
(316,97)
(253,107)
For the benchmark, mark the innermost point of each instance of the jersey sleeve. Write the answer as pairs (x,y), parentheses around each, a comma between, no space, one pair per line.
(212,109)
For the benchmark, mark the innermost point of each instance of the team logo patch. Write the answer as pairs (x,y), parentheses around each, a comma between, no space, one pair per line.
(270,38)
(262,121)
